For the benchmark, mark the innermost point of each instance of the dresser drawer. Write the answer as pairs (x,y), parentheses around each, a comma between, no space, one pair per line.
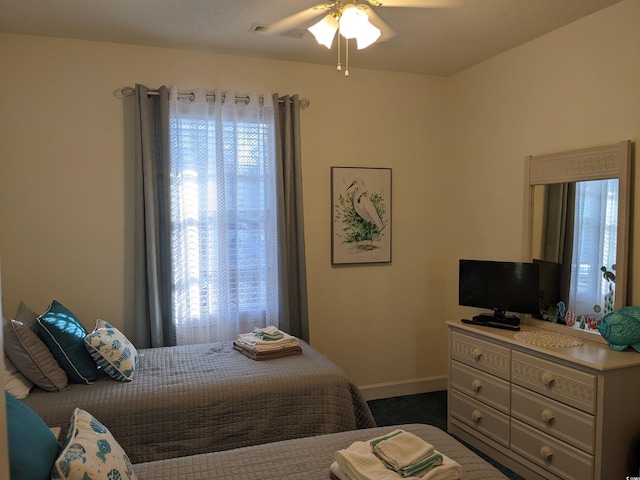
(567,385)
(557,419)
(559,458)
(488,389)
(480,417)
(485,356)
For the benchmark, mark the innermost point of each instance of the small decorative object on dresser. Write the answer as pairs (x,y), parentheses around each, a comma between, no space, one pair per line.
(621,328)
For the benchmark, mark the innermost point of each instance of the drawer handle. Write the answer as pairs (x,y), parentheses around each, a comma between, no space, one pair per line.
(548,379)
(477,353)
(476,416)
(546,453)
(476,385)
(547,416)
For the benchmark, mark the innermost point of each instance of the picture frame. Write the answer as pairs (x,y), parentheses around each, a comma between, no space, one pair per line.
(360,215)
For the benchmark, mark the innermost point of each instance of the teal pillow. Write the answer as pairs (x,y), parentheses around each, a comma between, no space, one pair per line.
(33,449)
(63,333)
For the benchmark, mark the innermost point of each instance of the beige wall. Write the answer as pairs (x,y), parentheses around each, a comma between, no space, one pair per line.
(456,147)
(66,203)
(574,88)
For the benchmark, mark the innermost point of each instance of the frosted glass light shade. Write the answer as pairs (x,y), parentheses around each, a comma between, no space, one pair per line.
(367,35)
(354,23)
(325,30)
(351,21)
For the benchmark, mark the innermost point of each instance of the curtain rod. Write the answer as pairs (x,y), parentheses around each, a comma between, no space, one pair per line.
(130,92)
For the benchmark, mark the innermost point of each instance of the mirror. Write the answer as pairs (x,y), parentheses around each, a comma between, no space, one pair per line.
(576,214)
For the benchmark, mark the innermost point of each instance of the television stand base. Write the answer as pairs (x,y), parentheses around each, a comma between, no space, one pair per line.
(493,324)
(507,320)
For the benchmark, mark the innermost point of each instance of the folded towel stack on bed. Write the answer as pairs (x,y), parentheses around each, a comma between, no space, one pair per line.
(394,456)
(267,343)
(405,453)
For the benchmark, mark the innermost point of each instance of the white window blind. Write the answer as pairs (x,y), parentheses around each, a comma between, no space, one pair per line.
(224,220)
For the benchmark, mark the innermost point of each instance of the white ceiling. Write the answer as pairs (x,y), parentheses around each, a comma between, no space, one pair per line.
(440,40)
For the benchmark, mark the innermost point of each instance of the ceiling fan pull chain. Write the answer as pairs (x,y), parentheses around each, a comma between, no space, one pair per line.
(346,57)
(339,62)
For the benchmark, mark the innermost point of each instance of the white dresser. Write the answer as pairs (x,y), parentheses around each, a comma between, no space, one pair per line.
(544,412)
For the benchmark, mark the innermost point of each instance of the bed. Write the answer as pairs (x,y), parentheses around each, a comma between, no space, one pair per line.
(188,400)
(308,458)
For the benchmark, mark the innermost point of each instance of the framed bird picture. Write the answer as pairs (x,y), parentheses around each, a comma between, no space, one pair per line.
(360,215)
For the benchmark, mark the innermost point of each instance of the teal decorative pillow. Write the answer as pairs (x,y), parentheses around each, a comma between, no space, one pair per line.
(32,446)
(91,452)
(63,333)
(112,351)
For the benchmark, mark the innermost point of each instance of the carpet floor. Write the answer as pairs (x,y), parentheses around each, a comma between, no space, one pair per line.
(429,408)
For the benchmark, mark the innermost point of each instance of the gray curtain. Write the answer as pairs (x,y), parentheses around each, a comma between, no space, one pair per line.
(293,277)
(559,229)
(153,324)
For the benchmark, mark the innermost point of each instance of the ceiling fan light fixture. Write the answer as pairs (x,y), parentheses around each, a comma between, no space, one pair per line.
(351,21)
(367,35)
(354,23)
(325,30)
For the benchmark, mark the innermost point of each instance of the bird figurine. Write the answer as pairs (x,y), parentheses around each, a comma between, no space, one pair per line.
(363,206)
(609,275)
(621,328)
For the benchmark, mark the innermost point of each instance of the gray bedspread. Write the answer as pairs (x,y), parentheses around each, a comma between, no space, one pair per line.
(195,399)
(308,458)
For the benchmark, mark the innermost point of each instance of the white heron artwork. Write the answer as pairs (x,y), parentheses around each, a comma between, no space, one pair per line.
(361,216)
(365,207)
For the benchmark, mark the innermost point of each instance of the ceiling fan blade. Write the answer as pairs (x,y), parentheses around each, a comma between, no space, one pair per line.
(299,19)
(414,3)
(386,32)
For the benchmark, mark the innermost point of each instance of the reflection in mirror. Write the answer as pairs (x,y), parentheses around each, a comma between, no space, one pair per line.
(576,218)
(575,229)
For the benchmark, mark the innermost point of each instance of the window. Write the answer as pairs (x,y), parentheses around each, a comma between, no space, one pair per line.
(223,219)
(596,218)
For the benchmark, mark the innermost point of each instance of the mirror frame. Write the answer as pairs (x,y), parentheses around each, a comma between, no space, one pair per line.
(597,163)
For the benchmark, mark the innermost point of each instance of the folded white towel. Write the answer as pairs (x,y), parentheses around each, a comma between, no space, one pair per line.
(270,329)
(259,345)
(268,333)
(400,449)
(337,472)
(449,470)
(359,463)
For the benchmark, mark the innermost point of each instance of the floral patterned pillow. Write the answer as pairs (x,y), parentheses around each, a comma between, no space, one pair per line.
(112,351)
(91,452)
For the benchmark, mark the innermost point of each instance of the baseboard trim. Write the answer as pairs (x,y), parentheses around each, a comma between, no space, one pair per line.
(404,387)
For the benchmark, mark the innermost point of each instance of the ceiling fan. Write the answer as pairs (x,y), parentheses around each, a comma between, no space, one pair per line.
(348,19)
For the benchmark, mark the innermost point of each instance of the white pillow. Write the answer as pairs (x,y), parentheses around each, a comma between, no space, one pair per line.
(112,351)
(56,431)
(90,451)
(14,382)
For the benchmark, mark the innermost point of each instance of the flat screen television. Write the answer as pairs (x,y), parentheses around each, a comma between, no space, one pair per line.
(499,286)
